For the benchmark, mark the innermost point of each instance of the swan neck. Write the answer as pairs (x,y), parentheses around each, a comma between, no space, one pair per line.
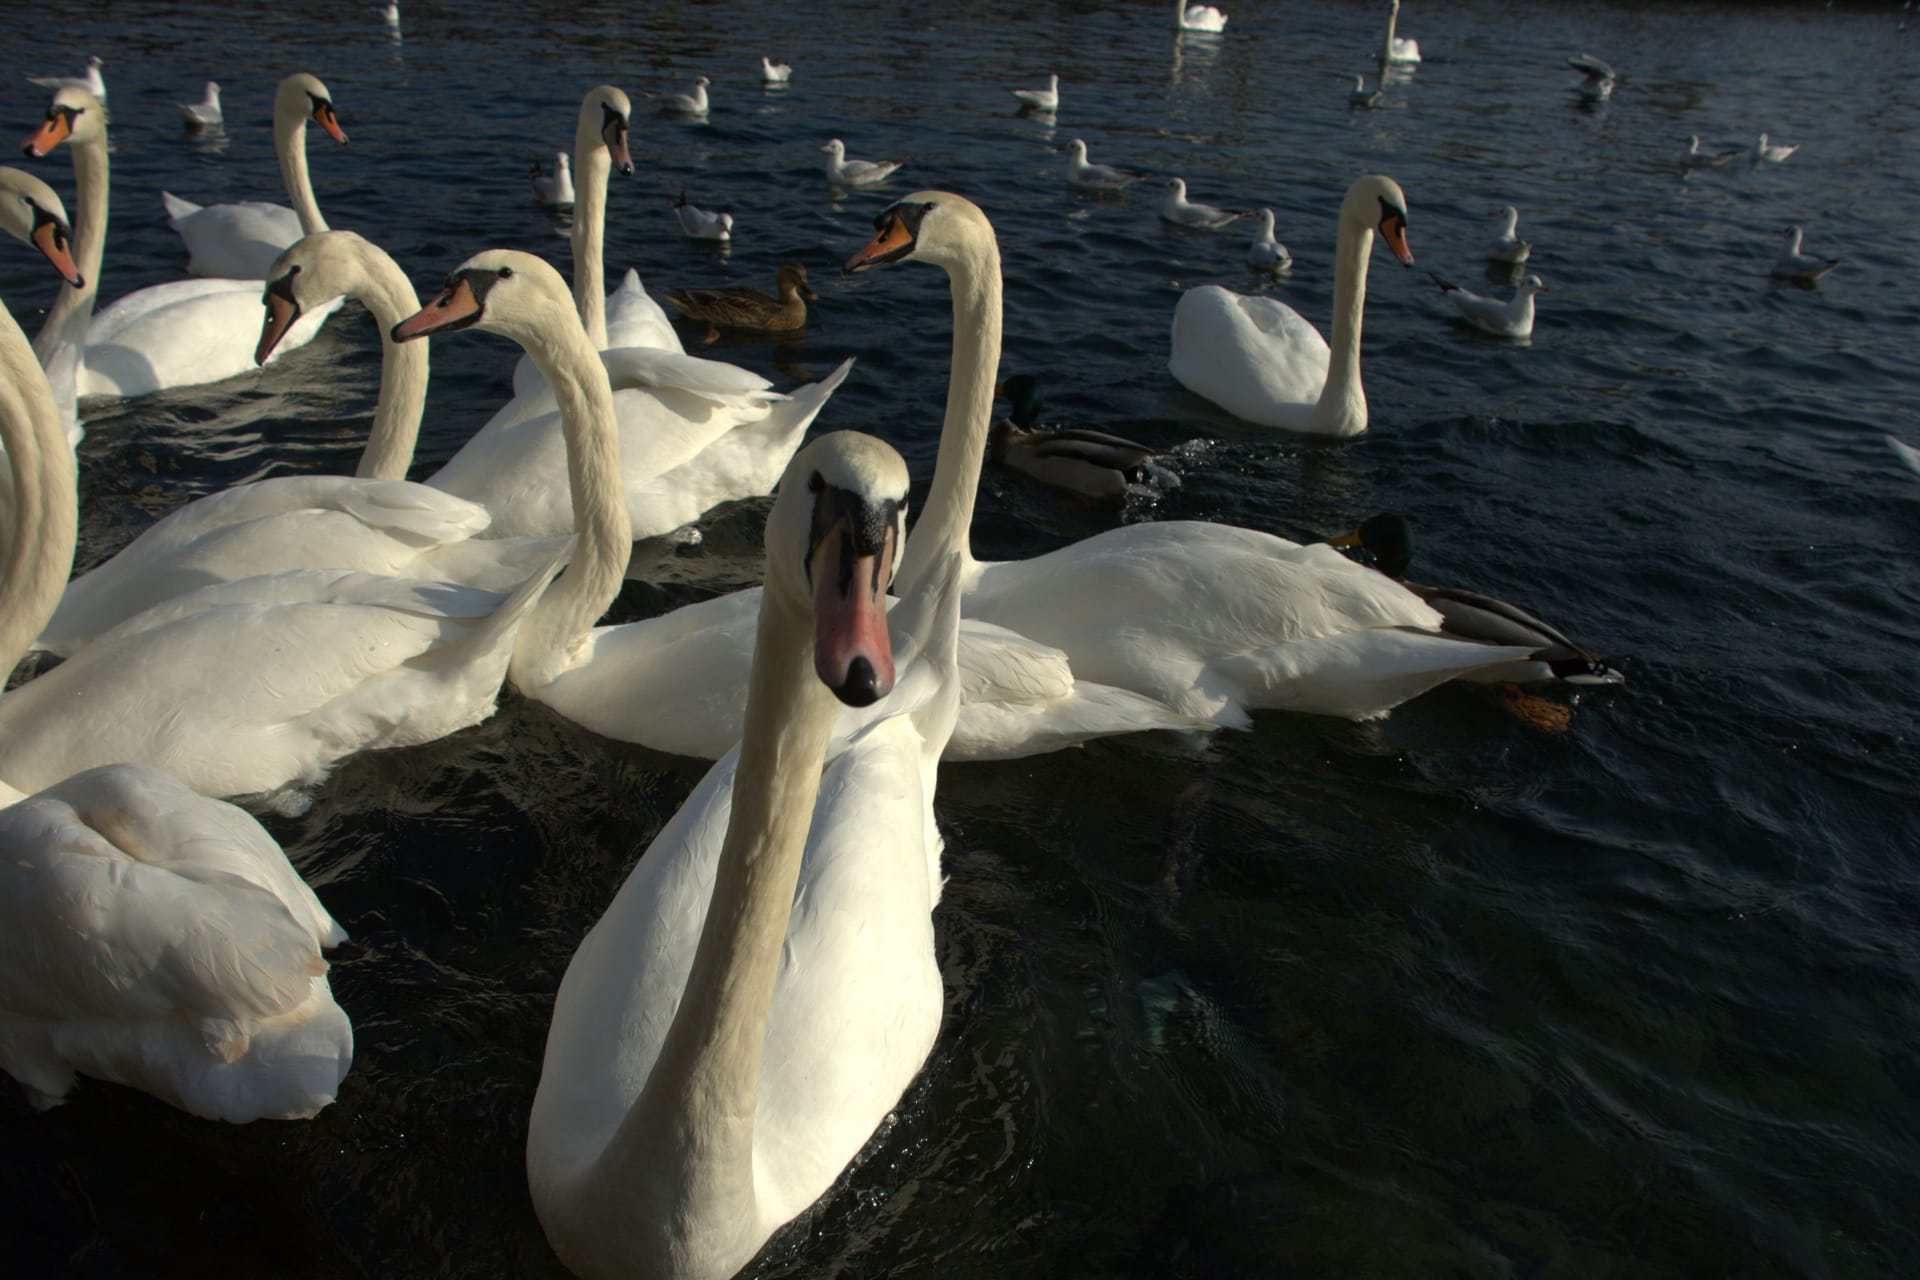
(943,527)
(71,312)
(592,164)
(1342,407)
(290,144)
(404,366)
(46,513)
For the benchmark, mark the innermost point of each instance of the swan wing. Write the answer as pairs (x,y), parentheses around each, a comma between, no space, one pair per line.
(237,240)
(1258,359)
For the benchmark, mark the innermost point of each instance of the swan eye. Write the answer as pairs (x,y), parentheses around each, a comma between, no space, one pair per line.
(505,273)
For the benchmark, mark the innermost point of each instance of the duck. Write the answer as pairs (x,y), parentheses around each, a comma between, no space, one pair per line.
(1694,157)
(1361,96)
(1765,152)
(204,114)
(1182,212)
(1092,464)
(772,72)
(1506,246)
(240,240)
(89,80)
(1197,17)
(1088,176)
(1512,318)
(1208,620)
(693,102)
(843,172)
(1261,361)
(1599,77)
(697,224)
(1047,99)
(1803,268)
(1267,254)
(1396,48)
(1472,616)
(766,983)
(741,307)
(555,188)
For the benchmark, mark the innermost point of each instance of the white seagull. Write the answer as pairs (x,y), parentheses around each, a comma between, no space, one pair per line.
(1363,96)
(554,188)
(843,172)
(691,103)
(204,114)
(1506,246)
(1694,157)
(697,224)
(1047,99)
(1510,319)
(1086,175)
(1598,85)
(89,80)
(1765,152)
(1794,265)
(1266,253)
(1183,212)
(772,72)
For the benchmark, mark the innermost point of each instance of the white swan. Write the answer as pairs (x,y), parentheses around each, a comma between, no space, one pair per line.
(30,211)
(90,80)
(772,72)
(1512,318)
(698,224)
(204,114)
(1261,361)
(1266,253)
(1177,209)
(178,334)
(1047,99)
(1765,152)
(765,985)
(1394,48)
(1792,264)
(1506,246)
(555,188)
(240,240)
(1197,17)
(693,102)
(1087,176)
(375,522)
(1210,620)
(843,172)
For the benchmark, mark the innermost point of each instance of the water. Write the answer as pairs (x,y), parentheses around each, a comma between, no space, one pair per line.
(1441,995)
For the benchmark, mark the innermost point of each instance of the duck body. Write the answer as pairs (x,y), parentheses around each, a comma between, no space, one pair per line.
(1092,464)
(1512,318)
(1798,266)
(741,307)
(204,114)
(1182,212)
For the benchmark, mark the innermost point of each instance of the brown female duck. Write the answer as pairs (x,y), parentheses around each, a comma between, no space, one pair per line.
(741,307)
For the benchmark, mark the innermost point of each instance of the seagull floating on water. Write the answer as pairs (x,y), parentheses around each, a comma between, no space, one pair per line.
(1088,176)
(692,103)
(389,12)
(1506,246)
(204,114)
(1598,85)
(697,224)
(1803,268)
(1694,157)
(1197,17)
(772,72)
(555,188)
(1363,96)
(1047,99)
(843,172)
(1765,152)
(1267,253)
(1512,318)
(1187,213)
(90,80)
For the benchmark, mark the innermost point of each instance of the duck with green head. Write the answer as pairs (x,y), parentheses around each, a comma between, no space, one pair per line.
(1090,463)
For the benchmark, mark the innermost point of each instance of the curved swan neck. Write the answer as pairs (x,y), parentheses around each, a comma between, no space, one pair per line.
(67,319)
(290,144)
(1342,407)
(944,525)
(386,293)
(46,512)
(592,165)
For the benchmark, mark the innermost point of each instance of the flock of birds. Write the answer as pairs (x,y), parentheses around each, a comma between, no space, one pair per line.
(715,1056)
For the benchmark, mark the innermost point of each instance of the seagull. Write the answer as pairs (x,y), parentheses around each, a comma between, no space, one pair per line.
(1088,176)
(1178,209)
(1693,157)
(1266,253)
(698,224)
(1506,246)
(557,188)
(1363,96)
(843,172)
(89,80)
(1765,152)
(772,72)
(1598,85)
(1047,99)
(1510,319)
(204,114)
(1905,452)
(1197,17)
(389,12)
(1802,268)
(693,103)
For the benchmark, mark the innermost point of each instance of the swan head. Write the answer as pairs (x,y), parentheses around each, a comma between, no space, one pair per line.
(30,211)
(1376,203)
(74,115)
(302,97)
(929,226)
(501,291)
(834,537)
(310,273)
(604,116)
(1387,537)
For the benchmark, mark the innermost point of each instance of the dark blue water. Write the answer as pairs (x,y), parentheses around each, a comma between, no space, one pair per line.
(1440,995)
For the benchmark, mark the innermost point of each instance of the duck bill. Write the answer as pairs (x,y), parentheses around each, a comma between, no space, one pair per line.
(891,243)
(454,309)
(323,115)
(852,654)
(54,130)
(50,238)
(281,313)
(1351,538)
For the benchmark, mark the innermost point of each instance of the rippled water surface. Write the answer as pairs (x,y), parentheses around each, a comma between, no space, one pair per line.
(1440,995)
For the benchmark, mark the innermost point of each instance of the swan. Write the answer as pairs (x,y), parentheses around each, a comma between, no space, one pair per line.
(1087,176)
(691,103)
(1512,318)
(555,188)
(1397,48)
(1506,246)
(204,114)
(1197,17)
(1361,96)
(677,682)
(1804,268)
(1092,464)
(765,985)
(1266,253)
(1765,152)
(31,212)
(389,12)
(697,224)
(239,241)
(1180,211)
(374,522)
(1262,362)
(90,80)
(772,72)
(178,334)
(1210,620)
(843,172)
(1693,157)
(1599,81)
(1047,99)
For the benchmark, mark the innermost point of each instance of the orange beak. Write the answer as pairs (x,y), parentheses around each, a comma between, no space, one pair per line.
(282,311)
(324,117)
(852,653)
(54,130)
(50,238)
(455,308)
(1393,230)
(889,242)
(1348,539)
(615,133)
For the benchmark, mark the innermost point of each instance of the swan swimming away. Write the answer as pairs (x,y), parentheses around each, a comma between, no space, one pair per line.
(1266,253)
(1087,176)
(1261,361)
(1197,17)
(1804,268)
(1512,318)
(1396,48)
(854,173)
(1506,246)
(1180,211)
(1047,99)
(204,114)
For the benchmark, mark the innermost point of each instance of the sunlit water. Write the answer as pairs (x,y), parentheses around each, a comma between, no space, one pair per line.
(1440,995)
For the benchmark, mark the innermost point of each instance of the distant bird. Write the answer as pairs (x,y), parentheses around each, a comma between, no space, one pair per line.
(772,72)
(855,173)
(1266,253)
(204,114)
(90,80)
(692,103)
(1694,157)
(1047,99)
(1794,265)
(1598,85)
(1363,96)
(1510,319)
(697,224)
(389,12)
(555,188)
(1398,48)
(1906,453)
(1176,208)
(1765,152)
(1197,17)
(740,307)
(1088,176)
(1092,464)
(1506,246)
(1468,615)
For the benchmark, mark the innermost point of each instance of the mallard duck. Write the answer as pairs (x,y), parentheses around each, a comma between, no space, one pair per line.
(1468,615)
(741,307)
(1090,463)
